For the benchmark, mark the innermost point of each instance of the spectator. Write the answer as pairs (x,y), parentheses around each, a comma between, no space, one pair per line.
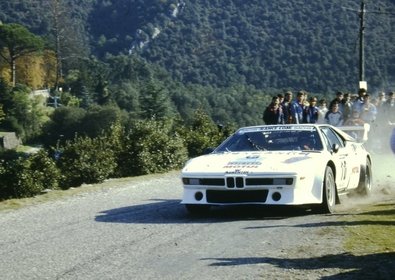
(297,108)
(306,98)
(389,108)
(354,97)
(368,111)
(355,120)
(285,105)
(322,110)
(311,112)
(273,113)
(338,99)
(281,97)
(380,99)
(347,106)
(357,104)
(334,116)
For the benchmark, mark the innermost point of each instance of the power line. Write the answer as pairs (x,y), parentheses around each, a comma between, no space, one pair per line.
(362,11)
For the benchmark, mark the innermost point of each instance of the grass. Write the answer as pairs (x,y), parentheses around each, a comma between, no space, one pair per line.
(371,230)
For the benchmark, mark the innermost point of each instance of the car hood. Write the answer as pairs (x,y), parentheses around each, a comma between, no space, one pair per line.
(254,162)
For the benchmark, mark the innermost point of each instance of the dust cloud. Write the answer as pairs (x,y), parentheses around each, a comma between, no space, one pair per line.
(383,186)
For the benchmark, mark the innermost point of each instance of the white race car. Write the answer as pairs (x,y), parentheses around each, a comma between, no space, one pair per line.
(303,164)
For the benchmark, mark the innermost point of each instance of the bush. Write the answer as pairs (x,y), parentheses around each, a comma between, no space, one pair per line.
(45,170)
(151,147)
(202,133)
(27,176)
(86,160)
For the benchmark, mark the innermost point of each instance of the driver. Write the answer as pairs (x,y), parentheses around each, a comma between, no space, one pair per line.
(307,143)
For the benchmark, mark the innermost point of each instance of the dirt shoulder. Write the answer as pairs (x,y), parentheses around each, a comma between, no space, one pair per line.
(369,227)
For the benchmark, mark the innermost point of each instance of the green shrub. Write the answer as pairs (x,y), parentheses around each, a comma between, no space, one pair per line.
(26,176)
(86,160)
(151,146)
(44,170)
(202,133)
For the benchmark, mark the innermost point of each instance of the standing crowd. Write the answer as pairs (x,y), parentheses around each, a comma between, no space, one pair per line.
(344,109)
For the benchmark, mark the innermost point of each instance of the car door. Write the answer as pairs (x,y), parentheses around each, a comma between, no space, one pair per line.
(340,153)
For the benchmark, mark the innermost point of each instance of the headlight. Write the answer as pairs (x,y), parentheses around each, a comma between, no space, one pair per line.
(190,181)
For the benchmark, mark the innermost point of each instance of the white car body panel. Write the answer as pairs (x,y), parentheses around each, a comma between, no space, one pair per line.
(264,177)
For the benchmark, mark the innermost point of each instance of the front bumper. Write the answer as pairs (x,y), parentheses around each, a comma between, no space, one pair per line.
(279,189)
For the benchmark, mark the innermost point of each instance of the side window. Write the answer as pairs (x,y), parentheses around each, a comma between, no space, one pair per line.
(332,137)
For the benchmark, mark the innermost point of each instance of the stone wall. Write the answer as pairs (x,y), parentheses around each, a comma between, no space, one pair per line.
(9,140)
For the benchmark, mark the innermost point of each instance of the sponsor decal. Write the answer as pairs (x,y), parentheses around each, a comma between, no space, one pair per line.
(237,171)
(296,159)
(249,162)
(277,128)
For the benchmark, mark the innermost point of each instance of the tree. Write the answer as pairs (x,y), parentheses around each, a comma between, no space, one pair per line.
(2,114)
(67,35)
(23,114)
(15,42)
(154,101)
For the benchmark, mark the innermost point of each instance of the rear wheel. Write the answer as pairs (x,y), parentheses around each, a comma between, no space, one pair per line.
(329,193)
(197,209)
(365,179)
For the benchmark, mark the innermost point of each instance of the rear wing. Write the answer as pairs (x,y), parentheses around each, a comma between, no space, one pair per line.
(359,132)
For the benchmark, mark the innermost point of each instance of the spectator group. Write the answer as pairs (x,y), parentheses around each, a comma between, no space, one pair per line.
(345,109)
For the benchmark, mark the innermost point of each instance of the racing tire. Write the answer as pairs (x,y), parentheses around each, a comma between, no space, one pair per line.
(328,194)
(197,209)
(365,179)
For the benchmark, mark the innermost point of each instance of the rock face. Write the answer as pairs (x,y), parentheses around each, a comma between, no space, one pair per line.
(9,140)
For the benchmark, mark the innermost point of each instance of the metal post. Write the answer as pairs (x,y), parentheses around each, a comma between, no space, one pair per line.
(361,42)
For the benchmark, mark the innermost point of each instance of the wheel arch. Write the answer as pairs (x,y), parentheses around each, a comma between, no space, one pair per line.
(368,157)
(365,169)
(332,165)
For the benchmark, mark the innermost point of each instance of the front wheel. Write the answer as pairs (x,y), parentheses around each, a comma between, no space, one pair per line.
(329,193)
(365,179)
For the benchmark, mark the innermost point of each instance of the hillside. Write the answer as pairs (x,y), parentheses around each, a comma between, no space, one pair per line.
(268,44)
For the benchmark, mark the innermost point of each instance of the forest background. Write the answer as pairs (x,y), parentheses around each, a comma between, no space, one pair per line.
(187,68)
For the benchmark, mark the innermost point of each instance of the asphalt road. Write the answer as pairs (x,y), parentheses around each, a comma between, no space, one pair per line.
(140,231)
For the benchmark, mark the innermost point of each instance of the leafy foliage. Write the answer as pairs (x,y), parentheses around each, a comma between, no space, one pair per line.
(202,133)
(269,45)
(25,177)
(2,114)
(278,44)
(150,147)
(17,42)
(86,160)
(23,114)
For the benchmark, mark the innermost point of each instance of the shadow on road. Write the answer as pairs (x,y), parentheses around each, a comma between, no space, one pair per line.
(373,266)
(171,211)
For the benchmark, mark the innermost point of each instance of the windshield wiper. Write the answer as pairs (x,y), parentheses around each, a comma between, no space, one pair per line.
(253,144)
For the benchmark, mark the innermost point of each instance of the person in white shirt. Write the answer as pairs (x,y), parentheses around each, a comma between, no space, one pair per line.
(322,110)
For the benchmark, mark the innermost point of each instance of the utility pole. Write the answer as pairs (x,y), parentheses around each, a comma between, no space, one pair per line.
(361,42)
(362,11)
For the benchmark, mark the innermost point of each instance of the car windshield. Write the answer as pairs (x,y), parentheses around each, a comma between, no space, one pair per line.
(266,139)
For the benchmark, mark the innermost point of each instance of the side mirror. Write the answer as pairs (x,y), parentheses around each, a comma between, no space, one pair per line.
(335,148)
